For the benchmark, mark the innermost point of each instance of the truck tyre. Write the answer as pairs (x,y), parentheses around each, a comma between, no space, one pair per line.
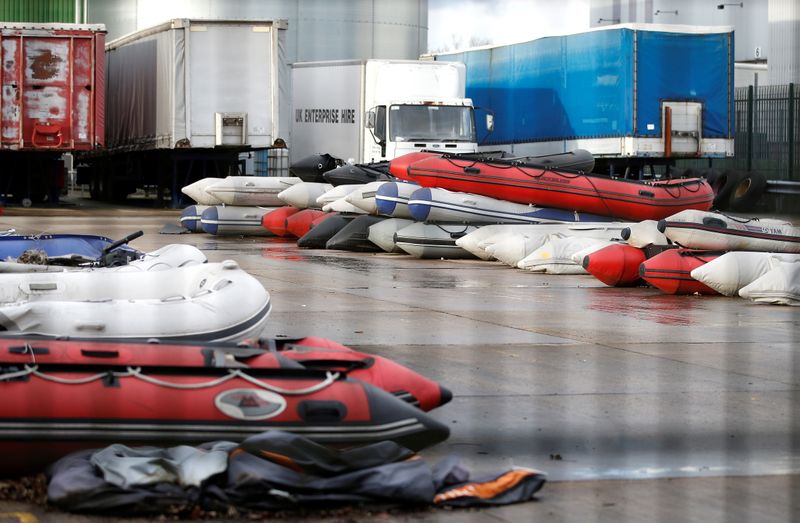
(746,192)
(723,188)
(711,176)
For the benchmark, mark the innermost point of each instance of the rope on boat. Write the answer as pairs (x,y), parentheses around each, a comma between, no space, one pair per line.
(136,372)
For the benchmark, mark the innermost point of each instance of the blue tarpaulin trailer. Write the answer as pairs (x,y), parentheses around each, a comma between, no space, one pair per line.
(631,91)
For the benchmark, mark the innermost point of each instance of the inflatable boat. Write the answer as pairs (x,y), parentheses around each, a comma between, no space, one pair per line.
(364,197)
(391,199)
(275,220)
(335,193)
(643,234)
(779,286)
(197,191)
(232,220)
(477,241)
(299,223)
(402,382)
(342,205)
(670,271)
(354,235)
(555,256)
(304,195)
(358,174)
(384,232)
(323,229)
(433,240)
(735,270)
(208,302)
(61,396)
(257,191)
(83,247)
(434,205)
(714,231)
(311,168)
(616,265)
(558,188)
(190,217)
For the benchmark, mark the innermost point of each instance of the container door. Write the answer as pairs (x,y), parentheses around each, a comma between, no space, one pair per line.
(230,84)
(11,95)
(46,99)
(683,128)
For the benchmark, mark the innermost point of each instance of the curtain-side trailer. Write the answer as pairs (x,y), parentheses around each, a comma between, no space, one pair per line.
(185,98)
(631,94)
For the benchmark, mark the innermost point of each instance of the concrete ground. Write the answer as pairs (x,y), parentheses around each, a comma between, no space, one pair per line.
(638,405)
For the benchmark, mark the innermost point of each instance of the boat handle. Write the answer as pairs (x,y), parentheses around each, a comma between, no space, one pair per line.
(470,169)
(89,353)
(647,194)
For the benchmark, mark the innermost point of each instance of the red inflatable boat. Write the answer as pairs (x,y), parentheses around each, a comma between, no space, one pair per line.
(64,395)
(616,265)
(546,187)
(299,223)
(275,221)
(670,271)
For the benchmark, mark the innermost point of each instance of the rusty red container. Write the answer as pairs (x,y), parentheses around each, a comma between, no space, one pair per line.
(53,87)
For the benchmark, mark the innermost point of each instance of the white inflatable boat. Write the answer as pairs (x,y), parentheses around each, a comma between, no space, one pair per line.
(433,240)
(197,191)
(436,205)
(555,256)
(391,199)
(364,197)
(304,195)
(259,191)
(209,302)
(714,231)
(382,233)
(232,220)
(735,270)
(779,286)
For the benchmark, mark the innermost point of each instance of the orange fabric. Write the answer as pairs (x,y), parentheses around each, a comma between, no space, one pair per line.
(282,460)
(486,490)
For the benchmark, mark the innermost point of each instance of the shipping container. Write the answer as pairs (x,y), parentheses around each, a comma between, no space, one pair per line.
(631,91)
(52,87)
(52,103)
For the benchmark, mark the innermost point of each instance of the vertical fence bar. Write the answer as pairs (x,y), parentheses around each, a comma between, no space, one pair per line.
(749,127)
(790,135)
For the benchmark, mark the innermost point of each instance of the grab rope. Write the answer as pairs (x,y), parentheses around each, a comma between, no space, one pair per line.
(136,372)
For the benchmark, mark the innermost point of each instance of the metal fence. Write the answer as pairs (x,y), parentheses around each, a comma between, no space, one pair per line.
(767,133)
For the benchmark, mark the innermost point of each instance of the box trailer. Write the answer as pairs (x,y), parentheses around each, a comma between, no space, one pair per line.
(52,101)
(374,110)
(635,92)
(191,92)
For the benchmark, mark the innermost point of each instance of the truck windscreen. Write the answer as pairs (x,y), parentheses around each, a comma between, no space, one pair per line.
(431,122)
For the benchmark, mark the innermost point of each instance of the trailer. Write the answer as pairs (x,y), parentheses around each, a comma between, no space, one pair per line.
(52,103)
(631,94)
(185,99)
(367,111)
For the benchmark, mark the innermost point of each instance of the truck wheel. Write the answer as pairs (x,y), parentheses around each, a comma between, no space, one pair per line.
(723,188)
(746,192)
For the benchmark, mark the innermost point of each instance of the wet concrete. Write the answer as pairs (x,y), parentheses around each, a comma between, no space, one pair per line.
(558,373)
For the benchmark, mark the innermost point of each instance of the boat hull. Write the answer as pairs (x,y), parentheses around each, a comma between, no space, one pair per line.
(670,271)
(67,395)
(575,191)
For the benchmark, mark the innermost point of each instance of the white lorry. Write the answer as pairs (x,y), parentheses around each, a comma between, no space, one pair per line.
(366,111)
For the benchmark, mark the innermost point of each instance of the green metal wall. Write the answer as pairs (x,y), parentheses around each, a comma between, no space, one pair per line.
(37,11)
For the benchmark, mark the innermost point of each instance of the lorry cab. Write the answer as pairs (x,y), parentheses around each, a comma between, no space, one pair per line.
(401,127)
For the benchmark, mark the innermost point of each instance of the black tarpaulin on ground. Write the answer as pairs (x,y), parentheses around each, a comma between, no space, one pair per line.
(273,470)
